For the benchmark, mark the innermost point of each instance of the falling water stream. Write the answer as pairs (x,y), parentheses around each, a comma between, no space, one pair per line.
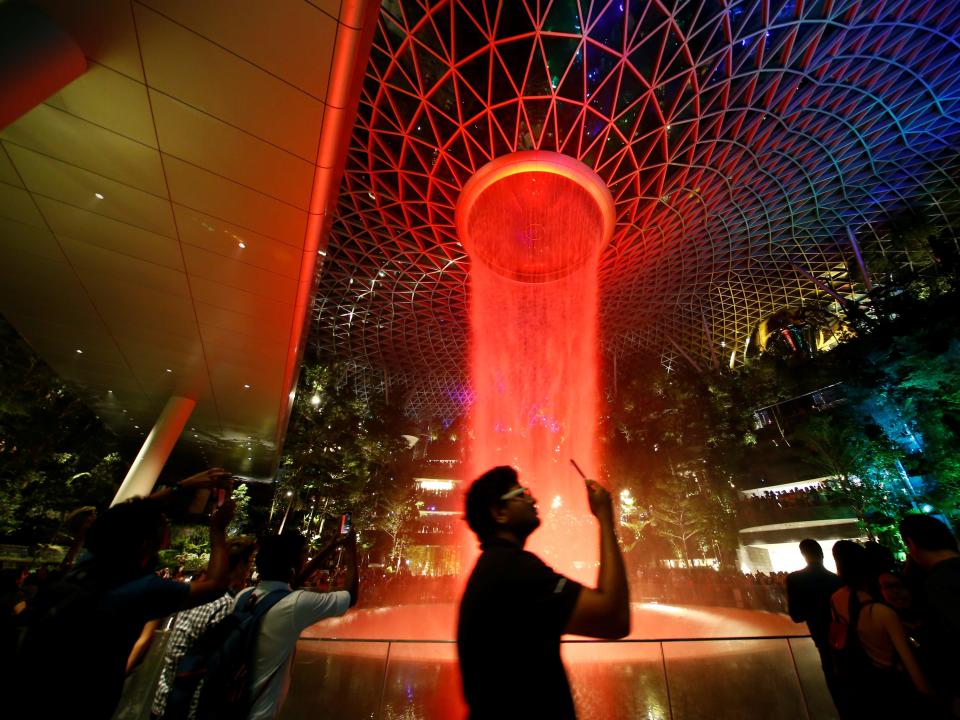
(534,224)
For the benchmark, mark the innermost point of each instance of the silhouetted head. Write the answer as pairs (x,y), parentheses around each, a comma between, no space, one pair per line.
(125,539)
(851,561)
(927,533)
(281,556)
(239,561)
(811,551)
(927,539)
(497,502)
(879,558)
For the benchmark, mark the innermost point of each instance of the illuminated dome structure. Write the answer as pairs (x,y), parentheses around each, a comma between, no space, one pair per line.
(749,147)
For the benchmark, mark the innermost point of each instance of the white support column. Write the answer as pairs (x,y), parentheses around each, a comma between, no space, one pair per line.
(156,449)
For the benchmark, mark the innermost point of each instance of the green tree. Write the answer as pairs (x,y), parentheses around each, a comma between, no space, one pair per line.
(918,373)
(55,453)
(342,453)
(635,518)
(683,515)
(861,466)
(662,434)
(241,517)
(397,509)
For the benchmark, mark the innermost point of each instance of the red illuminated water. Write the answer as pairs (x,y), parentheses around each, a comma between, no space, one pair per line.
(534,225)
(649,621)
(610,680)
(534,371)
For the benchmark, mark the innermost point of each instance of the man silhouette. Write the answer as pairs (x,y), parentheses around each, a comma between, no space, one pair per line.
(515,608)
(932,549)
(808,600)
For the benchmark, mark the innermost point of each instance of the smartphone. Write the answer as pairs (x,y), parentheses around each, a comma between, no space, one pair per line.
(205,501)
(198,504)
(346,523)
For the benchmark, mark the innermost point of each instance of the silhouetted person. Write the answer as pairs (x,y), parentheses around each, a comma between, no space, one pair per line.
(808,600)
(877,669)
(932,547)
(514,608)
(85,625)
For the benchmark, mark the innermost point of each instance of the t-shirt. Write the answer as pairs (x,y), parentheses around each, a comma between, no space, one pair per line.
(277,641)
(513,611)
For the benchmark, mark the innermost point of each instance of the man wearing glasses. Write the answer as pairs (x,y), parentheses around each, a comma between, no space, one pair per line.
(515,608)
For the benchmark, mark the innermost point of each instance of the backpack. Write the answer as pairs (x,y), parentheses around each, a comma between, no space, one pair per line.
(850,660)
(213,679)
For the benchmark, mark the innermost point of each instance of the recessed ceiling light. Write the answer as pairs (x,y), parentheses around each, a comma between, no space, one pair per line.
(79,351)
(169,370)
(246,387)
(242,244)
(137,427)
(98,196)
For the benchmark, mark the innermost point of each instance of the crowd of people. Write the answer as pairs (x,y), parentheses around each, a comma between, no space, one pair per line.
(779,499)
(706,586)
(887,636)
(69,643)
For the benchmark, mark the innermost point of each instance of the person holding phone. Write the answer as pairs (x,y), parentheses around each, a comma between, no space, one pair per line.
(514,608)
(84,625)
(282,567)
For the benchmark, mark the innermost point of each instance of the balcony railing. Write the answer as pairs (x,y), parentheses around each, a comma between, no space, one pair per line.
(760,513)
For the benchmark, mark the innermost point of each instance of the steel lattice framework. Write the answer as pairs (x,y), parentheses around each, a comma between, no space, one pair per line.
(742,142)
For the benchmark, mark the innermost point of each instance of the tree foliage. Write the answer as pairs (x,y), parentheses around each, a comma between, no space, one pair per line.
(343,453)
(861,464)
(55,453)
(661,431)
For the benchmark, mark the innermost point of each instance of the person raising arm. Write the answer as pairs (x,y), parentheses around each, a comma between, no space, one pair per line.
(604,611)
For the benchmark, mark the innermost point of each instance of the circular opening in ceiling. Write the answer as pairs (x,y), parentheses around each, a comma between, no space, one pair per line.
(534,216)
